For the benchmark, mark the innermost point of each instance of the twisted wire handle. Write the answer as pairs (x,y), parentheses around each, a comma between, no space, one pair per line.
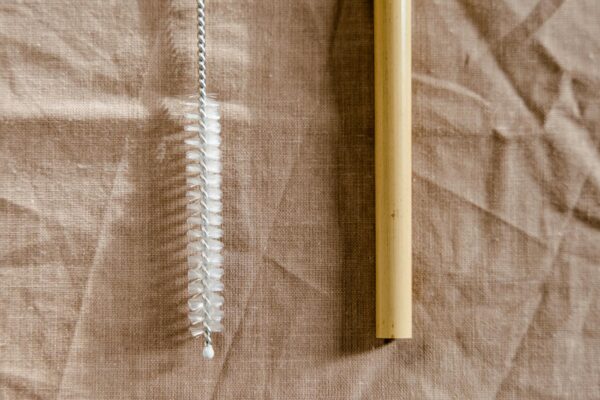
(201,62)
(202,101)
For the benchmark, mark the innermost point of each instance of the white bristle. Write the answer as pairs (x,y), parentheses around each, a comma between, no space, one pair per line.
(192,128)
(215,219)
(192,142)
(196,317)
(204,195)
(194,273)
(213,166)
(214,326)
(197,330)
(213,179)
(215,273)
(216,245)
(213,193)
(196,303)
(214,299)
(193,169)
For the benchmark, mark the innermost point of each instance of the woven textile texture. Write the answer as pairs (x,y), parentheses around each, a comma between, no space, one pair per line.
(506,201)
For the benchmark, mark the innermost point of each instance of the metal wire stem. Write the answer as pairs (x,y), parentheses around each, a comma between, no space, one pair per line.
(202,102)
(201,63)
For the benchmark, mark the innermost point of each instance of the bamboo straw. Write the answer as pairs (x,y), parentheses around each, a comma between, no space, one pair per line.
(393,168)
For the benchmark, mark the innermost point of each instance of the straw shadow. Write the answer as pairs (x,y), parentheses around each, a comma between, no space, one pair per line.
(351,76)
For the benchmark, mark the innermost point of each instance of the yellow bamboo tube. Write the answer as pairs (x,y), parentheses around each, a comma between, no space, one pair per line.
(393,168)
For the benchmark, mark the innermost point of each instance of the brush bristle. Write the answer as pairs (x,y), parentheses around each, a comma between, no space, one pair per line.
(204,195)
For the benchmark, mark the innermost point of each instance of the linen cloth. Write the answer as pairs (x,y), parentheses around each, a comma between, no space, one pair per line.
(506,201)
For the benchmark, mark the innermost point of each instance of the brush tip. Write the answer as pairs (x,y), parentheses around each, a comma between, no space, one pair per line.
(208,352)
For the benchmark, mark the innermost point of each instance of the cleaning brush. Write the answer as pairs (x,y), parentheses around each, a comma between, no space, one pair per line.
(203,179)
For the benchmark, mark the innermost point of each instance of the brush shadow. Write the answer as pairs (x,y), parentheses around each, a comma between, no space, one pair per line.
(167,231)
(153,281)
(163,185)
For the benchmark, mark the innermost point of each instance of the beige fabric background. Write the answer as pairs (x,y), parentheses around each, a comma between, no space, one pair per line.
(506,201)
